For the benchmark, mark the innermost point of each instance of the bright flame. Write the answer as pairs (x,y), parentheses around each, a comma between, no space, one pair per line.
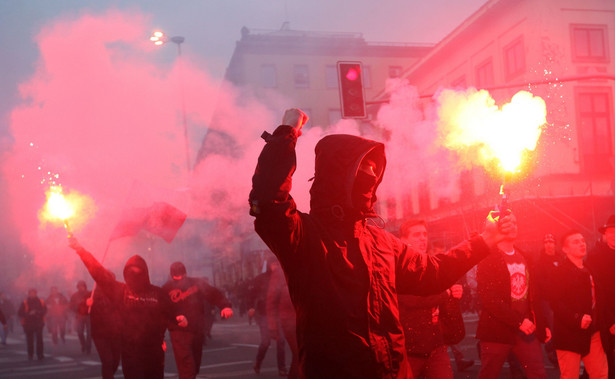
(57,205)
(471,124)
(60,207)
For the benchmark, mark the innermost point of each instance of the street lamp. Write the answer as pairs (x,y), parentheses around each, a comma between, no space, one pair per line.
(159,39)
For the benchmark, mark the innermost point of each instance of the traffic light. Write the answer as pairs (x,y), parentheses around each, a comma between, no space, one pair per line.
(352,99)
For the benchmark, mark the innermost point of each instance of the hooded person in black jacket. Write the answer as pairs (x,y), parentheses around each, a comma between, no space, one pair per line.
(188,297)
(145,311)
(344,273)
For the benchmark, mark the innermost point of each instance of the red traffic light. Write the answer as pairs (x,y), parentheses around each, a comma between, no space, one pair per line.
(352,98)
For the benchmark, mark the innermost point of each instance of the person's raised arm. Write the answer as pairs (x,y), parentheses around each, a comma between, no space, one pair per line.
(276,218)
(422,274)
(100,274)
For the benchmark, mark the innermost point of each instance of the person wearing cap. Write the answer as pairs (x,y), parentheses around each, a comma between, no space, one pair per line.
(32,317)
(601,262)
(188,297)
(548,260)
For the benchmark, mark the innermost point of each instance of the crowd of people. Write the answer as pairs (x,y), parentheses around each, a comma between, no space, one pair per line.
(371,305)
(349,298)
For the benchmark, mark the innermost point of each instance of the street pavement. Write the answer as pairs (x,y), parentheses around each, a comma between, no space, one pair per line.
(229,354)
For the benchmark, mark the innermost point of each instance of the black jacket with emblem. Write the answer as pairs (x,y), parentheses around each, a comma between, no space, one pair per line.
(189,296)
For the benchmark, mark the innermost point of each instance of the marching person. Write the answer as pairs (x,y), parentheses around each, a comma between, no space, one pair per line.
(144,308)
(420,316)
(107,337)
(576,336)
(344,273)
(601,262)
(32,315)
(511,318)
(57,305)
(188,297)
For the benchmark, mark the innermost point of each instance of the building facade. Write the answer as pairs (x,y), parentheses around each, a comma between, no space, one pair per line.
(562,51)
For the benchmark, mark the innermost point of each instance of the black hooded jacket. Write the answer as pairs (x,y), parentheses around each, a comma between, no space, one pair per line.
(145,310)
(343,273)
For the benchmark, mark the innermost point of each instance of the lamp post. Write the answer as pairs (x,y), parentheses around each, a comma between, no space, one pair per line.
(159,39)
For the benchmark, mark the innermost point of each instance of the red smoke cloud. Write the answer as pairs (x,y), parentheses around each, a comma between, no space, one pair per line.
(100,115)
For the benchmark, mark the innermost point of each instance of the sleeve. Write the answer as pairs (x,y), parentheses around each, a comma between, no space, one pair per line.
(492,301)
(422,274)
(103,278)
(214,295)
(277,220)
(2,318)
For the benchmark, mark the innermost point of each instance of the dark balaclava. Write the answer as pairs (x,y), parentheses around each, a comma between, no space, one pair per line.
(136,274)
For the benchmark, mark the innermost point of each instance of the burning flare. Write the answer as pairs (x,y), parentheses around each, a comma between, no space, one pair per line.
(57,206)
(60,207)
(472,124)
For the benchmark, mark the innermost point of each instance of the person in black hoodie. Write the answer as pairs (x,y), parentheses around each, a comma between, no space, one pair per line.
(32,315)
(576,335)
(145,312)
(105,318)
(188,296)
(344,272)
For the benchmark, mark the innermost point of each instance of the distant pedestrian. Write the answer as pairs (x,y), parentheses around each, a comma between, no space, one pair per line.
(257,302)
(57,306)
(79,306)
(32,316)
(8,309)
(281,317)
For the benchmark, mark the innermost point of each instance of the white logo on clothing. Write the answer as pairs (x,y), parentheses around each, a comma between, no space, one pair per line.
(518,280)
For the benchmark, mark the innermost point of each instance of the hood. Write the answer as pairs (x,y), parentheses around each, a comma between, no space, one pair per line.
(337,161)
(136,282)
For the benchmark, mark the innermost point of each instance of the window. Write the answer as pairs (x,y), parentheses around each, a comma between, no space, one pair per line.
(395,71)
(367,77)
(514,58)
(594,128)
(484,74)
(589,43)
(301,76)
(268,76)
(331,76)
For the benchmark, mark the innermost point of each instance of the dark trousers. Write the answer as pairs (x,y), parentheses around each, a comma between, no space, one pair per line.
(188,350)
(109,351)
(266,341)
(31,334)
(143,361)
(527,350)
(84,332)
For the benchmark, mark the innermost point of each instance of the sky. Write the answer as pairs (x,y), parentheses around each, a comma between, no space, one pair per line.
(89,103)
